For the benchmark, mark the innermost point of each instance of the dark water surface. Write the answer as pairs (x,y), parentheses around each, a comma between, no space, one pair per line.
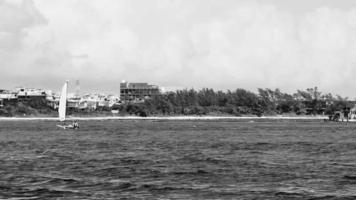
(178,160)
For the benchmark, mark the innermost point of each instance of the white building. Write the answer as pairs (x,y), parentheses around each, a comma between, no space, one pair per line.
(22,91)
(6,94)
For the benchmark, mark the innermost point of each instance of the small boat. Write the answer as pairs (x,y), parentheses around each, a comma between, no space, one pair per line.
(62,109)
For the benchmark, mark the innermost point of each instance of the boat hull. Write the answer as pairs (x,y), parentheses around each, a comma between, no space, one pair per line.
(66,126)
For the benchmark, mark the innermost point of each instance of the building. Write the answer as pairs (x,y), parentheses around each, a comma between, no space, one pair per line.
(6,94)
(352,113)
(137,91)
(25,94)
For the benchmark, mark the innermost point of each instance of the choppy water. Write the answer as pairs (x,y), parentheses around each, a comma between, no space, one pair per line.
(178,160)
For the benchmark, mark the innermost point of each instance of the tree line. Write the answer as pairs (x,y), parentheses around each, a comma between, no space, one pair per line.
(239,102)
(206,102)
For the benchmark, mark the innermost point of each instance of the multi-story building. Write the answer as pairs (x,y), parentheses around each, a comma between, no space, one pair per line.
(137,91)
(6,94)
(24,94)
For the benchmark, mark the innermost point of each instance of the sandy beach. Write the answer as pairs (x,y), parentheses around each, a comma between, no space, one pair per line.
(167,118)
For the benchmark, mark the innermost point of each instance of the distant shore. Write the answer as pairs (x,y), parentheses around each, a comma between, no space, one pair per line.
(167,118)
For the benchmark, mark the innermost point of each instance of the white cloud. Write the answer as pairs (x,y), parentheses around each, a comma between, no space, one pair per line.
(16,19)
(175,43)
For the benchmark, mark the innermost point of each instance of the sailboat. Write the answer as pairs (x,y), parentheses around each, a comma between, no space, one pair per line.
(62,108)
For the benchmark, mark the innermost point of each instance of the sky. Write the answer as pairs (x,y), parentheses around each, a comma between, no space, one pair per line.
(219,44)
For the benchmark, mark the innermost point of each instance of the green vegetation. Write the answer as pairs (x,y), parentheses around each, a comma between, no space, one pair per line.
(203,102)
(239,102)
(33,107)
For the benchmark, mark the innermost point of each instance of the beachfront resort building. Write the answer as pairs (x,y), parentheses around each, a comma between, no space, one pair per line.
(26,94)
(7,94)
(137,92)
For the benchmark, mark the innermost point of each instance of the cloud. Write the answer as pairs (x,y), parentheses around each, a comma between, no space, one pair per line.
(175,43)
(15,19)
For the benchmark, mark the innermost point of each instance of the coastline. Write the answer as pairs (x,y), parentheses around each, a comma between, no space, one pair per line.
(166,118)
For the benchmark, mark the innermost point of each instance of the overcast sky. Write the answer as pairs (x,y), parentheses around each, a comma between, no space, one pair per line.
(220,44)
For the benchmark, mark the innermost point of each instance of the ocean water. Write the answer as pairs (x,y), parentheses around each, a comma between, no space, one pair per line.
(159,159)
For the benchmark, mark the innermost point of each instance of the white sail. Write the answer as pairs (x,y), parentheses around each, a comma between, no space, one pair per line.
(63,103)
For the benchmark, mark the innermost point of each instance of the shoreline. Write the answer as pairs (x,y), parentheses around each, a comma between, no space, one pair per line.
(197,118)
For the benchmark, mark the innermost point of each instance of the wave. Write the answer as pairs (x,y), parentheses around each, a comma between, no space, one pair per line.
(40,193)
(350,177)
(196,172)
